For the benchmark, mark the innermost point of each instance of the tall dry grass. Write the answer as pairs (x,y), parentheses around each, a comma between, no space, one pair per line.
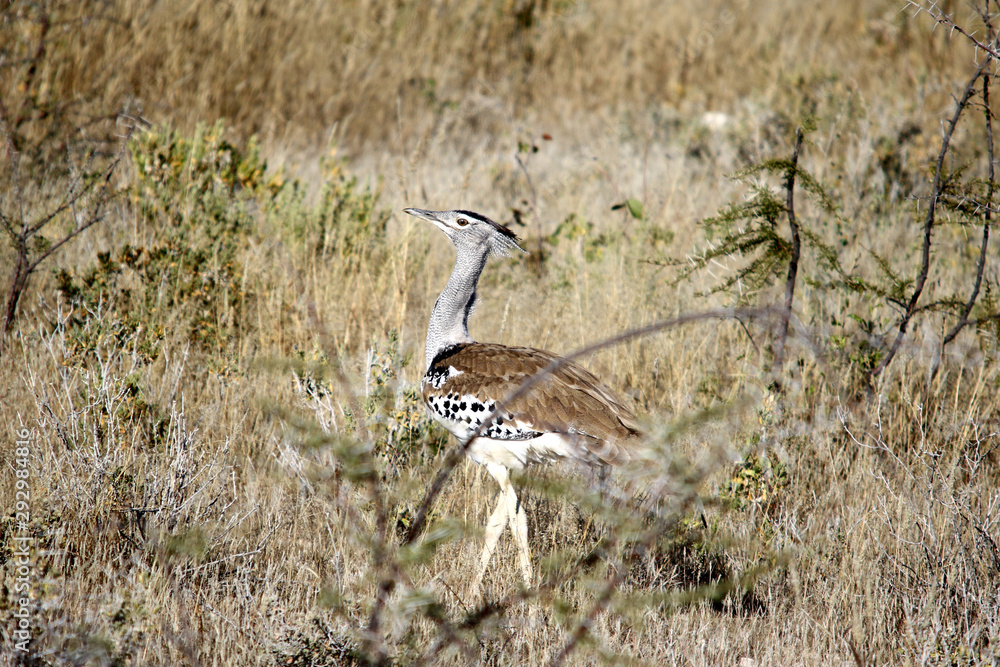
(206,473)
(385,73)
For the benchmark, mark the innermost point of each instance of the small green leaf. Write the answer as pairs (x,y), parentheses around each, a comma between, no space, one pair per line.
(41,244)
(634,207)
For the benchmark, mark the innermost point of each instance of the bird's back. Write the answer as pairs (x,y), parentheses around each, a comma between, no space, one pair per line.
(464,382)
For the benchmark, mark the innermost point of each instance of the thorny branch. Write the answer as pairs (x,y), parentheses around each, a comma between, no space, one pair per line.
(945,19)
(455,455)
(929,220)
(987,221)
(793,262)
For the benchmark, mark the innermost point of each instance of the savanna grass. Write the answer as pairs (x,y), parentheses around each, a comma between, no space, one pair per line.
(229,453)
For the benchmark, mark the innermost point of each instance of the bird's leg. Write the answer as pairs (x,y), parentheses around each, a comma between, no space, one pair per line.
(519,526)
(495,526)
(508,511)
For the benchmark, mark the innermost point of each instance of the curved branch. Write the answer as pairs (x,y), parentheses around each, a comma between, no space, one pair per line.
(936,192)
(987,220)
(455,454)
(793,262)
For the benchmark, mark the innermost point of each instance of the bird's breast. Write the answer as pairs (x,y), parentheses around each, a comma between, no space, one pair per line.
(518,454)
(462,414)
(505,440)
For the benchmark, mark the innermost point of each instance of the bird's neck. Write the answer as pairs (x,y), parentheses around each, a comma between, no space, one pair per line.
(449,323)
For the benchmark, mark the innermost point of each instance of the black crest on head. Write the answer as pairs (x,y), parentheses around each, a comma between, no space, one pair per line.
(497,226)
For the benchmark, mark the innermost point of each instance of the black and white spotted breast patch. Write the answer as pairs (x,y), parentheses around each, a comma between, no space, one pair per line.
(437,375)
(462,414)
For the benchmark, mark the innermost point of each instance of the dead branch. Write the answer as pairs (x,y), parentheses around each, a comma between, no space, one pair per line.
(987,221)
(793,262)
(936,191)
(456,453)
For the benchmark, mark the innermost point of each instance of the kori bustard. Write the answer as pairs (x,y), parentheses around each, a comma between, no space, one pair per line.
(568,415)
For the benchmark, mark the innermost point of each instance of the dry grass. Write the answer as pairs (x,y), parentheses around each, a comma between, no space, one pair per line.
(186,505)
(385,73)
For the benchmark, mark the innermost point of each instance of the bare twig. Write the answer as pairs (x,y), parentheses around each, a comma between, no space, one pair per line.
(534,204)
(455,454)
(987,221)
(938,188)
(99,191)
(531,185)
(793,262)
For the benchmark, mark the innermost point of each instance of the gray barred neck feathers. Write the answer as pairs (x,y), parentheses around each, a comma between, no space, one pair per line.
(449,322)
(476,238)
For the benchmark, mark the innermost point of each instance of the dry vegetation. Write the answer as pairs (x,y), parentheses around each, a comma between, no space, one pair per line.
(228,462)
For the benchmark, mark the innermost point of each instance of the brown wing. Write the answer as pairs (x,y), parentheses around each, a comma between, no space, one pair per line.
(571,400)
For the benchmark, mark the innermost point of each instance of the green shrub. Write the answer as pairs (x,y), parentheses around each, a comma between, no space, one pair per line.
(345,228)
(205,206)
(196,198)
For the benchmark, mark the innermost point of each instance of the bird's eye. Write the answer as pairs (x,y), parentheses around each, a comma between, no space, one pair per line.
(462,222)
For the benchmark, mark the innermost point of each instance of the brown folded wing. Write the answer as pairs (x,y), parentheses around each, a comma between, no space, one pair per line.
(570,400)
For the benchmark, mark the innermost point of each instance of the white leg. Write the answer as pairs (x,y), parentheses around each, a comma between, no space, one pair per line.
(495,526)
(507,512)
(519,526)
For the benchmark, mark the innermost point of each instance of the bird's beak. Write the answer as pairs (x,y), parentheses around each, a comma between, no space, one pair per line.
(429,216)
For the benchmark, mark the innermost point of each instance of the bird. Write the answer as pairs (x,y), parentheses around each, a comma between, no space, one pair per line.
(569,414)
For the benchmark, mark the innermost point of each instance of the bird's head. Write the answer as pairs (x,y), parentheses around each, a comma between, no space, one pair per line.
(471,231)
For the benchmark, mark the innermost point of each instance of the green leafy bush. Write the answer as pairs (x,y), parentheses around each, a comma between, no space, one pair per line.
(204,206)
(346,226)
(751,230)
(197,199)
